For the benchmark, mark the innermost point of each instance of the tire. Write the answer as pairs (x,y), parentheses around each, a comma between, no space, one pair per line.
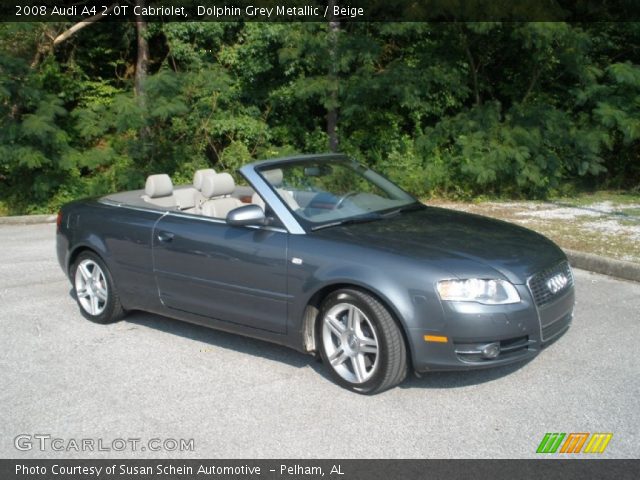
(95,290)
(360,342)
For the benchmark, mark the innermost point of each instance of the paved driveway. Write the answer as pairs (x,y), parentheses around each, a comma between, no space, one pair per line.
(151,377)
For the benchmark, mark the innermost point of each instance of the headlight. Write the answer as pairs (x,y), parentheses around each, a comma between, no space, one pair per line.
(489,292)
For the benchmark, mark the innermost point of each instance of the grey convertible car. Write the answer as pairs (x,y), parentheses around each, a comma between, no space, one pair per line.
(321,254)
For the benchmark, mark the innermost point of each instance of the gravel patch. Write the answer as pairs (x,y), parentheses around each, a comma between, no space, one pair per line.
(614,228)
(561,213)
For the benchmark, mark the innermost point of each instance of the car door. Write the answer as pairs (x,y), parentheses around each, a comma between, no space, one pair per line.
(236,274)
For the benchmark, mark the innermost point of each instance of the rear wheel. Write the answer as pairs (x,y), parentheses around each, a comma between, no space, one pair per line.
(94,289)
(361,343)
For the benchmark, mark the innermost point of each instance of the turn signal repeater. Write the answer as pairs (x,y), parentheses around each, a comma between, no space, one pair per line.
(436,338)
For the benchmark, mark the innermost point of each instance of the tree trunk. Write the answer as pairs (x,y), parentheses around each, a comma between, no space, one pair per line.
(142,62)
(332,109)
(532,84)
(473,65)
(474,74)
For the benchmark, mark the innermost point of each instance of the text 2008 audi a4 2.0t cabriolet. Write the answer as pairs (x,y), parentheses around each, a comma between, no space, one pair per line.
(324,255)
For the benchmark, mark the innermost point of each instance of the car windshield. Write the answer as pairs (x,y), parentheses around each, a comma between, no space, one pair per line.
(325,193)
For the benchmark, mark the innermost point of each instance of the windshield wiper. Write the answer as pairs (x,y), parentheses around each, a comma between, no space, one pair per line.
(350,221)
(406,208)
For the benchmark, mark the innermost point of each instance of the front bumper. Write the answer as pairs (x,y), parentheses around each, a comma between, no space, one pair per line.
(521,330)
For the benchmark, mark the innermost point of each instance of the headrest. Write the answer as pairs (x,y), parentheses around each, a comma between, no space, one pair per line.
(274,177)
(218,185)
(158,186)
(199,176)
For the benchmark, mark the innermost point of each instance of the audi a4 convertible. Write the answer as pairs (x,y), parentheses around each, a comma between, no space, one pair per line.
(321,254)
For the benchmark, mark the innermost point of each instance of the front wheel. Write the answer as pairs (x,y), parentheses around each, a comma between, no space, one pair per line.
(95,290)
(361,343)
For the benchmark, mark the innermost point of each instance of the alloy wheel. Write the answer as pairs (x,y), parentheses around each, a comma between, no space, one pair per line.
(91,287)
(350,342)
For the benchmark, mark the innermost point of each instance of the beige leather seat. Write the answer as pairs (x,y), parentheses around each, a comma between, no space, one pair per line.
(186,198)
(158,190)
(198,177)
(217,188)
(274,177)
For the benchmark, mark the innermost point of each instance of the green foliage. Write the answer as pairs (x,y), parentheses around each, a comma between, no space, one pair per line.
(498,109)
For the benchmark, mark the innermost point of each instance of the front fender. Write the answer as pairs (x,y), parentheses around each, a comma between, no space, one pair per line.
(403,285)
(364,278)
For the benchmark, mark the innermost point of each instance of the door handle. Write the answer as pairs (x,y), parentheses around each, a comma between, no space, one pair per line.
(165,237)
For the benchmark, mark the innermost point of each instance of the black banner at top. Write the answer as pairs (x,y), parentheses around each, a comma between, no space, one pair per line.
(321,11)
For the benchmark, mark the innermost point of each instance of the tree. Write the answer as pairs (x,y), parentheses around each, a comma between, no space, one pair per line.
(505,109)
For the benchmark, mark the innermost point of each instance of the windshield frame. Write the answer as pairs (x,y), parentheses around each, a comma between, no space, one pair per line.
(346,162)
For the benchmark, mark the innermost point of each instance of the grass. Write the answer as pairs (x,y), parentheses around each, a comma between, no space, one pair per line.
(632,212)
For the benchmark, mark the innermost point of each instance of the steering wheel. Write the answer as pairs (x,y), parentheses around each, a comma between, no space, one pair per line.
(340,202)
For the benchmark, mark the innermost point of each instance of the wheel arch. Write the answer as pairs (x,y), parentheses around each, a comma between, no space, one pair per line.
(77,250)
(112,309)
(312,310)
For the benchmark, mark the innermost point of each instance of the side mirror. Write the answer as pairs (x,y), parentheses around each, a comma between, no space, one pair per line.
(246,215)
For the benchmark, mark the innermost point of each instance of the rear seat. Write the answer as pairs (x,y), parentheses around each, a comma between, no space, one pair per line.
(189,198)
(209,196)
(198,177)
(216,189)
(158,190)
(185,198)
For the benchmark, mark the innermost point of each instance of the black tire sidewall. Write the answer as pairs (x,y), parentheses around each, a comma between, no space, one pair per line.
(107,315)
(350,296)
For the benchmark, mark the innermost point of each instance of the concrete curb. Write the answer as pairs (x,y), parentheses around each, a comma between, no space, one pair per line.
(582,260)
(604,265)
(27,219)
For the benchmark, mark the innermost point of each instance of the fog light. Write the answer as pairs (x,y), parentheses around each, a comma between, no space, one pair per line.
(491,350)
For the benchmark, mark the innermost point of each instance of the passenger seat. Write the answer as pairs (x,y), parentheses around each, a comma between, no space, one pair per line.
(274,177)
(158,190)
(217,188)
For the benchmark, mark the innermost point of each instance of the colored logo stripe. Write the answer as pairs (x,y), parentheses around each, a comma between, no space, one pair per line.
(550,443)
(598,442)
(574,442)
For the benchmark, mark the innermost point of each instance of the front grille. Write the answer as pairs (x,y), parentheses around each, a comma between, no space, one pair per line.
(553,329)
(541,291)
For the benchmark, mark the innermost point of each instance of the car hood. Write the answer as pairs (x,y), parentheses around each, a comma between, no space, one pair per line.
(462,244)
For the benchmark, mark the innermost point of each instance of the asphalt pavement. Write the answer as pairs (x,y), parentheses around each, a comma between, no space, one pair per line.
(150,377)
